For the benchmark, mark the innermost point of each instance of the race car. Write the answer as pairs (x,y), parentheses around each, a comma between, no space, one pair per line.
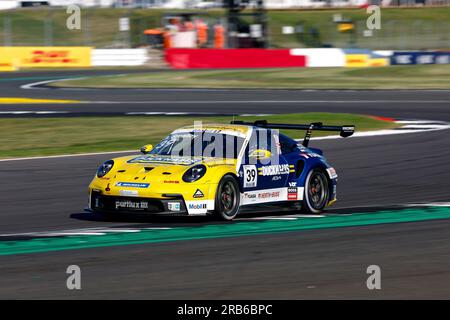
(217,169)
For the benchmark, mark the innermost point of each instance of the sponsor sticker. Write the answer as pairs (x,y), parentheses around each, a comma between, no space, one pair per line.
(171,160)
(292,193)
(129,193)
(250,176)
(272,195)
(127,204)
(266,195)
(198,194)
(172,181)
(332,173)
(132,185)
(197,206)
(249,197)
(29,57)
(174,206)
(274,170)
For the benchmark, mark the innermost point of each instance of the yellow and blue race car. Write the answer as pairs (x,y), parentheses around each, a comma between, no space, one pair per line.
(217,169)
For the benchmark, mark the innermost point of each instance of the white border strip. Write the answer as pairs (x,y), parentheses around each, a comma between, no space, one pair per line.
(67,155)
(35,85)
(262,101)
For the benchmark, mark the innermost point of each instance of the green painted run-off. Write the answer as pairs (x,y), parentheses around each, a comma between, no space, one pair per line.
(222,230)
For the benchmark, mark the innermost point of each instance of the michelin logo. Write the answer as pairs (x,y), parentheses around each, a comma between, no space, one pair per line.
(132,185)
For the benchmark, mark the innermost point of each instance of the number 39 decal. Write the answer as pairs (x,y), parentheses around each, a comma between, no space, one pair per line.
(250,176)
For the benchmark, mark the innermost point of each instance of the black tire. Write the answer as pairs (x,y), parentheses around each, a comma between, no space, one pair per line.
(316,193)
(228,199)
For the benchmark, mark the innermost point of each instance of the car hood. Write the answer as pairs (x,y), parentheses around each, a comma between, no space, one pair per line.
(155,167)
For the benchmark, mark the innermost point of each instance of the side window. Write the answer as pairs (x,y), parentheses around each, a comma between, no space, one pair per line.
(261,139)
(287,144)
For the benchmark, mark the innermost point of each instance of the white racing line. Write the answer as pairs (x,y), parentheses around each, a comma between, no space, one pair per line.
(264,101)
(409,126)
(429,204)
(67,155)
(99,231)
(32,112)
(35,85)
(38,85)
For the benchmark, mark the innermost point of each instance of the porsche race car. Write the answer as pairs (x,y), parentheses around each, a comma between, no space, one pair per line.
(218,169)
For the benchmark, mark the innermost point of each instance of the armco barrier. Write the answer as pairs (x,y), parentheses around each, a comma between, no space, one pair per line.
(34,57)
(119,57)
(420,57)
(232,58)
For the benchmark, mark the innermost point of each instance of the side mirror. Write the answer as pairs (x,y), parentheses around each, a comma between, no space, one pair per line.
(147,148)
(260,154)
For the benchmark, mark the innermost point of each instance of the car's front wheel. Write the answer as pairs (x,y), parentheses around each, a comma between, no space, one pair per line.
(316,192)
(227,198)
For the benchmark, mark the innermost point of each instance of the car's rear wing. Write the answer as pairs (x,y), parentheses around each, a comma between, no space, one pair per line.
(344,131)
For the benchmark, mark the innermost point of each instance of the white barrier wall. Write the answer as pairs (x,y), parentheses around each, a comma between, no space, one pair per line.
(8,4)
(119,57)
(321,57)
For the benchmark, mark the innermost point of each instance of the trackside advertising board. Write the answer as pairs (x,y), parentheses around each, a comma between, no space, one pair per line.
(47,57)
(420,57)
(6,64)
(232,58)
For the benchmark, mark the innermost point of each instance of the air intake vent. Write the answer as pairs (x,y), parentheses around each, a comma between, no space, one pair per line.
(300,167)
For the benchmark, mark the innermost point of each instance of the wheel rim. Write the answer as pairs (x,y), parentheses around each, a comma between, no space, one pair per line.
(228,198)
(317,191)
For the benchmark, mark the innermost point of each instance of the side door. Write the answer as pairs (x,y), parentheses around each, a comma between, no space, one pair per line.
(264,171)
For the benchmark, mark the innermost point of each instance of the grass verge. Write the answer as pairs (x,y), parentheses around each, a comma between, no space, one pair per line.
(51,136)
(392,77)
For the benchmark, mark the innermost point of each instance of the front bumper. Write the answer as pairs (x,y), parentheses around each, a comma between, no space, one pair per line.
(137,205)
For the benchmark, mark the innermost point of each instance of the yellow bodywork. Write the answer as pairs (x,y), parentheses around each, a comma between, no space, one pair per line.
(163,174)
(164,178)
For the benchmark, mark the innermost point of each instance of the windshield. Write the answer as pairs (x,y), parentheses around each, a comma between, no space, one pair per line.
(200,144)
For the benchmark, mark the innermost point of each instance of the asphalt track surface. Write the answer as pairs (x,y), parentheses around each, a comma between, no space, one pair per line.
(375,172)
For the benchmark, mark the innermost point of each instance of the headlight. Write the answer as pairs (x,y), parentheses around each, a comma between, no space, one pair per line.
(194,173)
(105,168)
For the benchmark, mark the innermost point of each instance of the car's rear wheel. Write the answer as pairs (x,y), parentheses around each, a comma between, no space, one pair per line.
(316,192)
(227,198)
